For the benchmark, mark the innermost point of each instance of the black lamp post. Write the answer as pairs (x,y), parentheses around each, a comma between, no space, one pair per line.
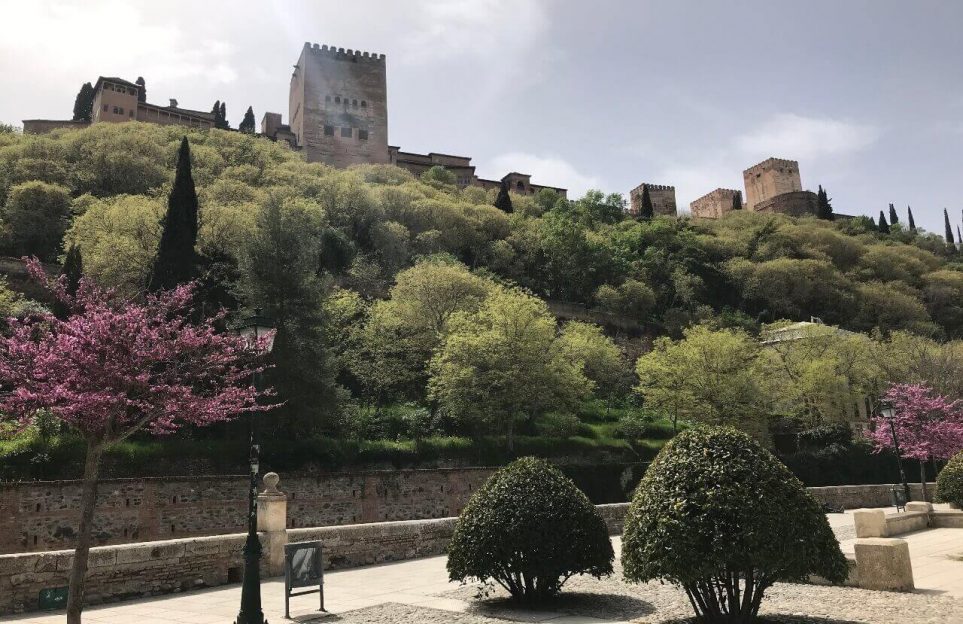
(889,414)
(254,329)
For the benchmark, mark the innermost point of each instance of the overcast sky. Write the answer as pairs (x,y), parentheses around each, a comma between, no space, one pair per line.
(867,96)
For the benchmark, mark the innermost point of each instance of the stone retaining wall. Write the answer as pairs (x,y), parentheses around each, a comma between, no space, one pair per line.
(42,515)
(150,568)
(860,496)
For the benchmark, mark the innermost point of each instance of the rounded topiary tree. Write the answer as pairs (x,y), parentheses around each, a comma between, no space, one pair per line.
(949,483)
(720,516)
(529,529)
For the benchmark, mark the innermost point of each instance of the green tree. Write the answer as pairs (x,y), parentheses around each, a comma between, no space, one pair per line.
(708,376)
(824,209)
(598,356)
(176,261)
(501,364)
(247,124)
(646,211)
(893,217)
(912,224)
(84,103)
(948,229)
(737,200)
(225,124)
(632,298)
(504,201)
(34,219)
(882,225)
(216,112)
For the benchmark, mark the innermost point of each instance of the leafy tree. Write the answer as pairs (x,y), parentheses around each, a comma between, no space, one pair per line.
(632,298)
(501,364)
(176,261)
(504,201)
(948,229)
(882,225)
(824,209)
(247,124)
(113,368)
(722,518)
(600,360)
(84,103)
(596,208)
(34,219)
(890,306)
(530,529)
(72,271)
(949,483)
(893,217)
(216,111)
(928,424)
(645,206)
(708,376)
(225,124)
(912,224)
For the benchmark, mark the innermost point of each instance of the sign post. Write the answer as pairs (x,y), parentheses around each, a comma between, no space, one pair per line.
(303,567)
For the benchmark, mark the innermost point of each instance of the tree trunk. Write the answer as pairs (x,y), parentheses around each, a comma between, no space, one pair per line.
(511,435)
(923,479)
(88,500)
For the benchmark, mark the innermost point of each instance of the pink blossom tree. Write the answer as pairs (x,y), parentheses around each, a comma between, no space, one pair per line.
(928,425)
(113,367)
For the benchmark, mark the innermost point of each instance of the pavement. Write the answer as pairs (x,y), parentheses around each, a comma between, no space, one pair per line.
(937,558)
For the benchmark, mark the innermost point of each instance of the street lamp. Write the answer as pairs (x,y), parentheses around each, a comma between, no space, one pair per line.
(253,329)
(887,412)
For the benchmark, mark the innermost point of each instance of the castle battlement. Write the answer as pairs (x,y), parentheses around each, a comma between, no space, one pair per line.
(343,54)
(653,187)
(772,162)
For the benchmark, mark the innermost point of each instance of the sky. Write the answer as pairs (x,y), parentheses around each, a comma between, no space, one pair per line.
(866,95)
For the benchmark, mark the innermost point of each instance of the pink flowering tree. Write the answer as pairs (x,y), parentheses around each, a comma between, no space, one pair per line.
(111,368)
(928,425)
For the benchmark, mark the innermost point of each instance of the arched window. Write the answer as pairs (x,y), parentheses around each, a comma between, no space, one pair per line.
(337,99)
(364,104)
(520,185)
(354,103)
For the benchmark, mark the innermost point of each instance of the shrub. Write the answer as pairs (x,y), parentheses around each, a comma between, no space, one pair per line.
(529,529)
(949,483)
(556,425)
(720,516)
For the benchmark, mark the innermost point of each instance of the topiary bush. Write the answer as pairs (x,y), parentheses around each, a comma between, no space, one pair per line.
(949,483)
(720,516)
(529,529)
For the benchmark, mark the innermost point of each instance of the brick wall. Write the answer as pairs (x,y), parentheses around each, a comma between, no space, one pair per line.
(37,516)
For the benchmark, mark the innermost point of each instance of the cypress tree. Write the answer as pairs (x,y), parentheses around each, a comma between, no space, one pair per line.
(883,226)
(912,224)
(893,217)
(737,200)
(224,123)
(216,111)
(504,201)
(646,211)
(176,259)
(142,92)
(84,103)
(948,227)
(247,124)
(72,270)
(959,238)
(824,209)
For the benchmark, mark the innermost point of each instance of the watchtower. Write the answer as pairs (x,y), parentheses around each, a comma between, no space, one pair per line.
(661,195)
(339,105)
(770,178)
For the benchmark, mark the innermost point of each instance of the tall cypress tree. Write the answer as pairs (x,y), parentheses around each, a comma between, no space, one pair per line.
(216,111)
(504,201)
(247,124)
(224,123)
(824,209)
(948,227)
(176,259)
(893,217)
(646,211)
(883,226)
(72,270)
(737,200)
(912,223)
(959,237)
(84,103)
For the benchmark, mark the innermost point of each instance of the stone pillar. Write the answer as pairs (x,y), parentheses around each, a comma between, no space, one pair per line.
(272,523)
(884,564)
(870,522)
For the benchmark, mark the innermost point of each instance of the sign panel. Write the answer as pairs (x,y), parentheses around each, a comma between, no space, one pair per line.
(303,567)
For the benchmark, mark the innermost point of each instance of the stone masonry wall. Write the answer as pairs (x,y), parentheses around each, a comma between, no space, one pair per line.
(860,496)
(37,516)
(151,568)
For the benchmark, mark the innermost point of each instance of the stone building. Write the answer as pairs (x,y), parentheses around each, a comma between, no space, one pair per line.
(771,177)
(662,197)
(117,100)
(715,204)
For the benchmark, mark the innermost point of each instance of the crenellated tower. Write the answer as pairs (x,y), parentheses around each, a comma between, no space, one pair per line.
(771,177)
(338,106)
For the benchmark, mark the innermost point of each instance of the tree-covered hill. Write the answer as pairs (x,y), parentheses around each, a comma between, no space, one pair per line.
(386,287)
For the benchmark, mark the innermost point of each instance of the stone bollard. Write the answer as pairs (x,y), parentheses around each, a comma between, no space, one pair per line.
(884,564)
(870,522)
(919,506)
(272,521)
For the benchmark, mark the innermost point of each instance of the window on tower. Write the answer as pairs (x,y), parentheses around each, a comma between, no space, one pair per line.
(346,132)
(329,131)
(362,135)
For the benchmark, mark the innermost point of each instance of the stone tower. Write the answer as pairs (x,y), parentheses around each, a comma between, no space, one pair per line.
(338,106)
(662,196)
(770,178)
